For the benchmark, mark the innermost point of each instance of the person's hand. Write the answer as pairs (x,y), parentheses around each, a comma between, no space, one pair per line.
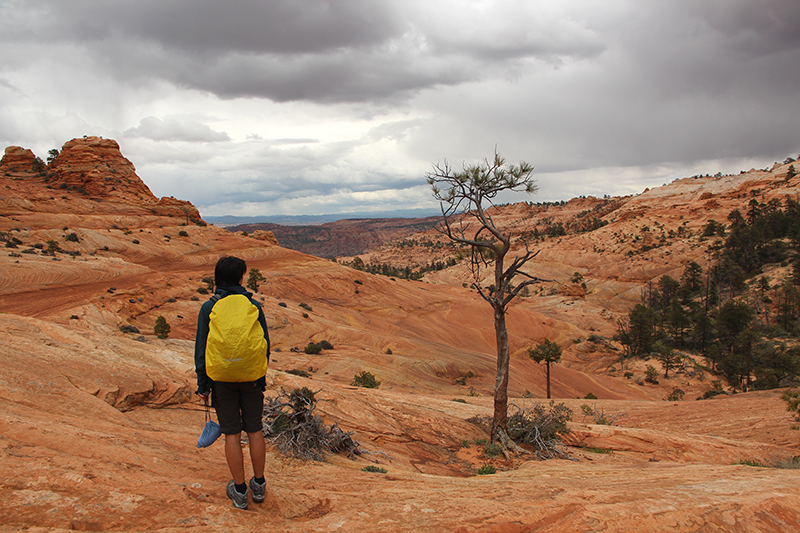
(205,396)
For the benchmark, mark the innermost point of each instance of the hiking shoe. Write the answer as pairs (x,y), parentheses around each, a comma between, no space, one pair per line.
(239,500)
(259,490)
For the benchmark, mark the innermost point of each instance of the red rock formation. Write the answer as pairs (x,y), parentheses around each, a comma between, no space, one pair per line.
(168,205)
(96,166)
(90,174)
(18,160)
(266,236)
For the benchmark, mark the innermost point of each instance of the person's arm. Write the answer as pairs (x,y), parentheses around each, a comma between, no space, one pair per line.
(263,321)
(203,381)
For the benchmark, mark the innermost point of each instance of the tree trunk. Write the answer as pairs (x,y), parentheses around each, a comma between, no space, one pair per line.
(500,420)
(548,380)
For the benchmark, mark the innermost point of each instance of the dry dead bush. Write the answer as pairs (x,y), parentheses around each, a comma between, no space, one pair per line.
(292,427)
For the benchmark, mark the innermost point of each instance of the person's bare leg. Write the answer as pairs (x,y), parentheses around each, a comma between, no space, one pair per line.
(258,453)
(235,458)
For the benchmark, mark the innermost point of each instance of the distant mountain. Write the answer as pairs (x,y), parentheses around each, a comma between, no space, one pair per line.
(342,237)
(313,220)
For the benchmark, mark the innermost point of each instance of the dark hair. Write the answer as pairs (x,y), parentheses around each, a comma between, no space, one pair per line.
(229,271)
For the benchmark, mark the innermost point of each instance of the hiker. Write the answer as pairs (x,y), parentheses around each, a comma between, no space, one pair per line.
(231,354)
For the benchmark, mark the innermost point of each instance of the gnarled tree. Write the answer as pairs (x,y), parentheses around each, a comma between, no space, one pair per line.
(465,196)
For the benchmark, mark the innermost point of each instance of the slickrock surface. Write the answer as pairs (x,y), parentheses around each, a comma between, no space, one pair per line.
(98,427)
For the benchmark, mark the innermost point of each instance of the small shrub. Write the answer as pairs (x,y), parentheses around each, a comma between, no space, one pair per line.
(480,442)
(254,279)
(676,395)
(325,345)
(52,247)
(651,374)
(306,307)
(358,282)
(194,299)
(365,379)
(596,450)
(599,416)
(182,233)
(305,315)
(282,304)
(171,300)
(135,241)
(486,470)
(161,327)
(388,351)
(312,348)
(492,450)
(373,468)
(628,375)
(298,372)
(590,396)
(202,290)
(750,462)
(792,399)
(74,317)
(72,237)
(465,443)
(459,400)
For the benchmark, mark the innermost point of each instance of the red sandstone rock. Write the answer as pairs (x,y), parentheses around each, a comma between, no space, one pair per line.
(89,175)
(18,160)
(96,166)
(266,236)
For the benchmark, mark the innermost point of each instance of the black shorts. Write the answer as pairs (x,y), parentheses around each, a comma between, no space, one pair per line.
(239,406)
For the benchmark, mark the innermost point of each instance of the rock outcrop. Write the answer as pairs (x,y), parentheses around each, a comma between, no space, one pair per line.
(89,175)
(95,166)
(18,160)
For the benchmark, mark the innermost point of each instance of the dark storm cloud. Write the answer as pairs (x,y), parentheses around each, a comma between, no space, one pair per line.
(338,102)
(213,27)
(322,51)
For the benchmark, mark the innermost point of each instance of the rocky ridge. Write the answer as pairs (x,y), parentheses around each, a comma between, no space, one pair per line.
(343,237)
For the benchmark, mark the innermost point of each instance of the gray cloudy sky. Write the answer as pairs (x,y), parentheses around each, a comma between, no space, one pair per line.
(264,107)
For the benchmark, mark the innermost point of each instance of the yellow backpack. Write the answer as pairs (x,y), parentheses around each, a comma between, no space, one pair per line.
(236,350)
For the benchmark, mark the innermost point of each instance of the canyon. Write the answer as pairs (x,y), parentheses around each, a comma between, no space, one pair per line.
(99,422)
